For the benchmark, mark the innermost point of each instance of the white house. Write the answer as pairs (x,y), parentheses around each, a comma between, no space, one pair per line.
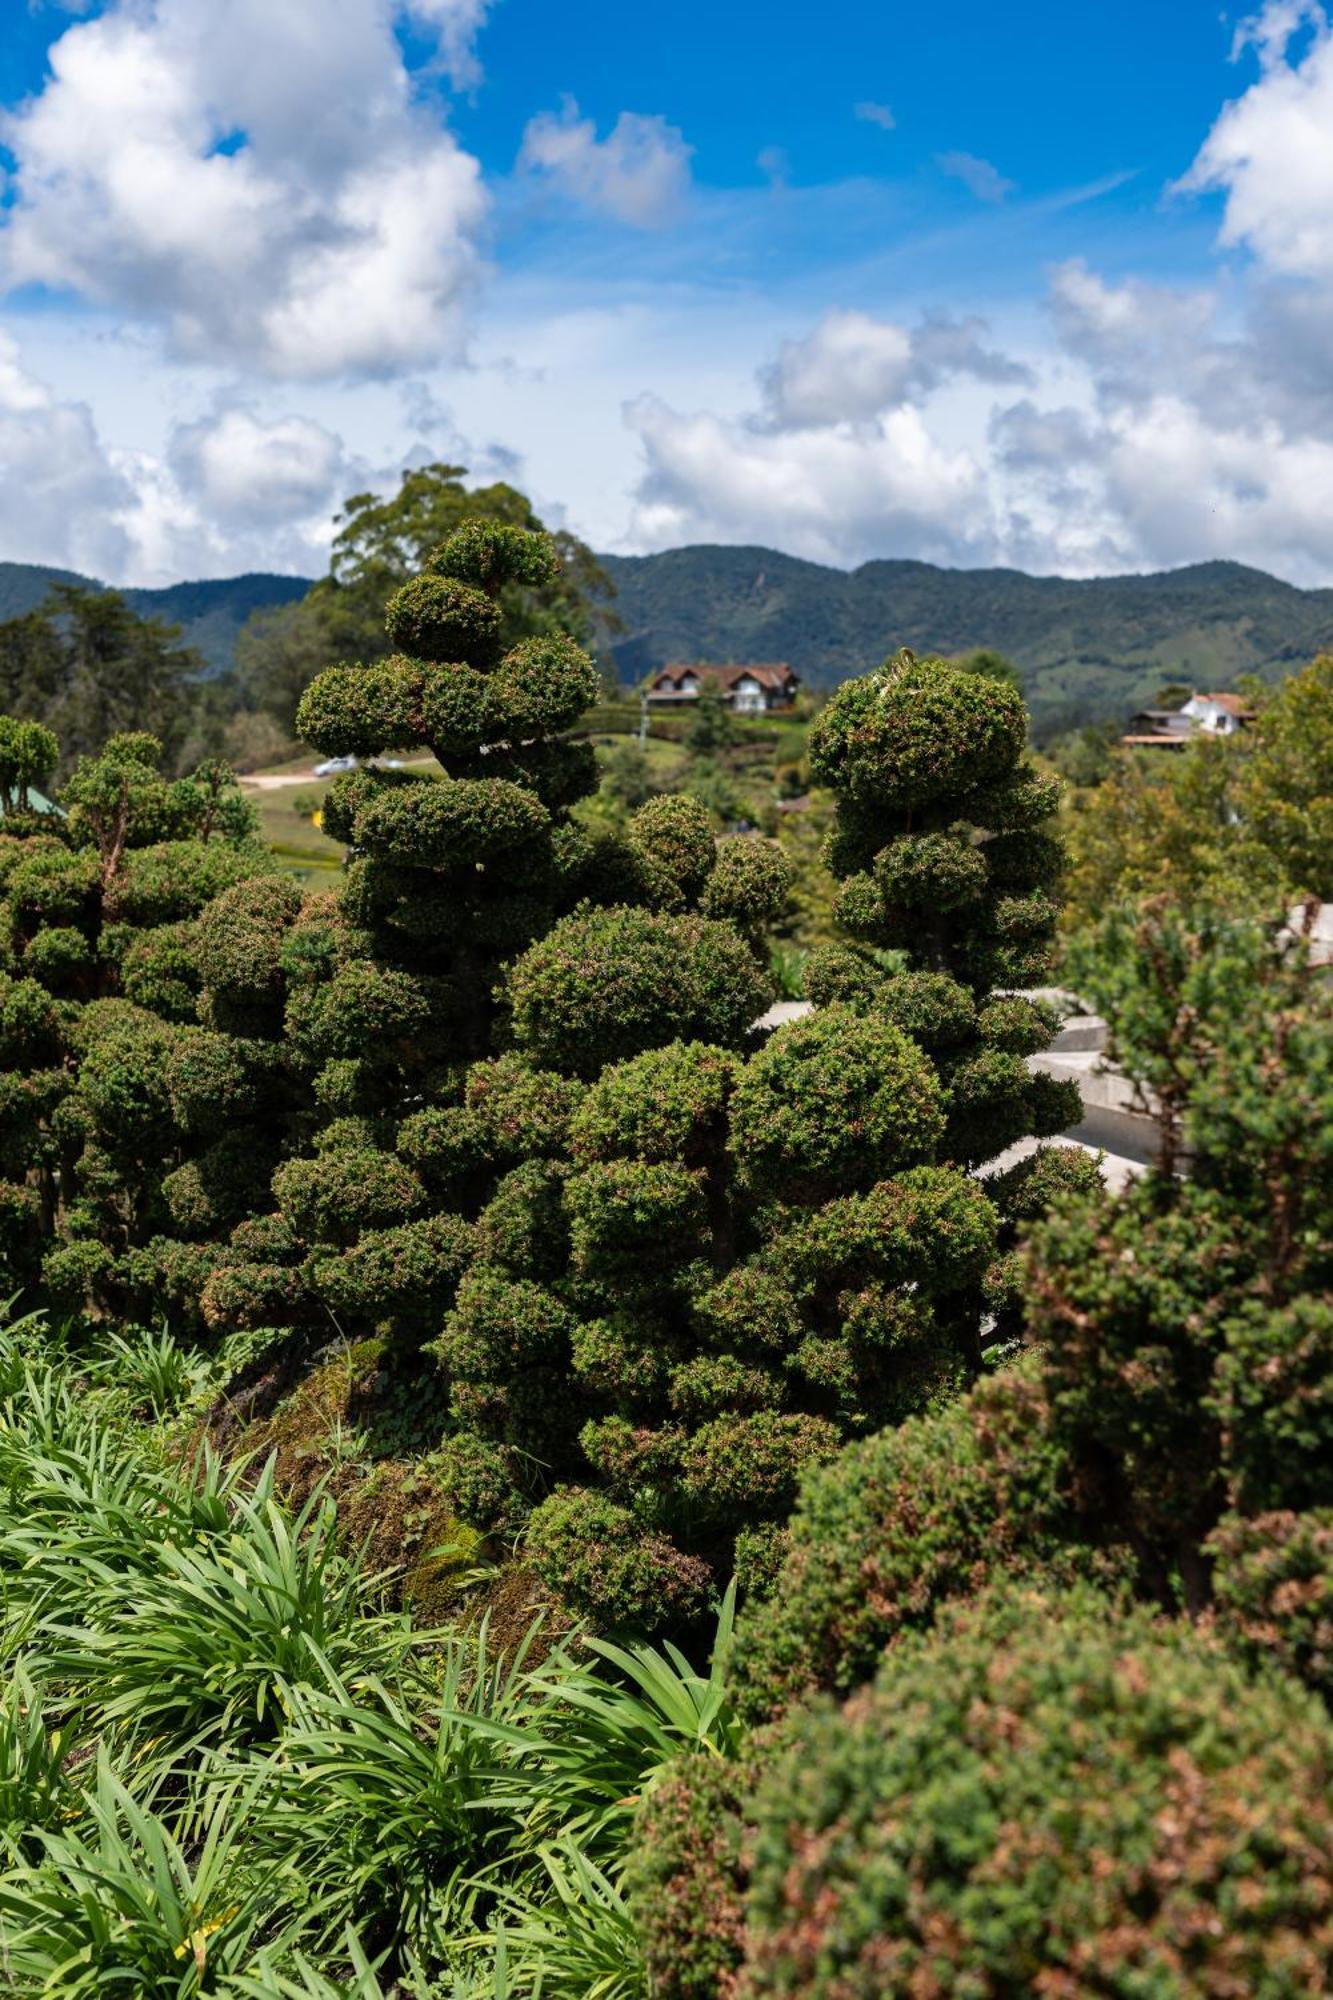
(1172,728)
(751,690)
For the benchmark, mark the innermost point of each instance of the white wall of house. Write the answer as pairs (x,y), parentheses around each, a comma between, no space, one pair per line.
(1210,715)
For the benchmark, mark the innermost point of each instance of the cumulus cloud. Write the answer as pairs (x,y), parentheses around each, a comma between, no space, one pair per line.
(1151,431)
(982,179)
(871,113)
(254,175)
(456,25)
(1270,153)
(62,498)
(1194,441)
(640,173)
(241,468)
(823,493)
(233,489)
(1157,424)
(851,367)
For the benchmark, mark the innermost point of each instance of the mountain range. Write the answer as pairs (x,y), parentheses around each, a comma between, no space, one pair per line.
(1087,650)
(210,614)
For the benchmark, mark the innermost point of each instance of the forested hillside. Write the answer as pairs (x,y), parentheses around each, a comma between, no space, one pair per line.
(210,613)
(1087,650)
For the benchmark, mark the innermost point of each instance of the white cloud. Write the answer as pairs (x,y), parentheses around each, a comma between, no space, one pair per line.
(1194,441)
(852,367)
(241,468)
(231,490)
(827,493)
(255,176)
(640,173)
(61,497)
(1270,152)
(457,23)
(1154,430)
(874,114)
(982,179)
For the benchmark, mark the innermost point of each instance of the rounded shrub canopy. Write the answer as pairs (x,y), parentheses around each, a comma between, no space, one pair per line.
(835,1102)
(1079,1799)
(606,984)
(916,732)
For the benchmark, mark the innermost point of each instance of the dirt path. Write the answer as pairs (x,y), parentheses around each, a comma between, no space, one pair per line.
(273,781)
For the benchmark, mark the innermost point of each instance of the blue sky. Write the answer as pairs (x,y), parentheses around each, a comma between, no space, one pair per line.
(1035,286)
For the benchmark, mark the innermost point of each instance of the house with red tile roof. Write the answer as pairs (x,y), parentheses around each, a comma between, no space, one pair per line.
(750,690)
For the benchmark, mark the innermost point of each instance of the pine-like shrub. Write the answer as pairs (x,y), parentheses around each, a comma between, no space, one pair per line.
(1046,1795)
(1186,1325)
(121,1115)
(905,1522)
(1273,1582)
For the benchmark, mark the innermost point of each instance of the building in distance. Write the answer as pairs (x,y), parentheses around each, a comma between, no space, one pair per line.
(750,690)
(1202,714)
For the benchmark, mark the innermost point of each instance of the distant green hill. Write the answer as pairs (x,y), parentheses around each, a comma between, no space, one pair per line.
(210,613)
(1087,650)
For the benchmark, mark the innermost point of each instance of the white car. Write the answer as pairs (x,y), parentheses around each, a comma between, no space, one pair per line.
(332,765)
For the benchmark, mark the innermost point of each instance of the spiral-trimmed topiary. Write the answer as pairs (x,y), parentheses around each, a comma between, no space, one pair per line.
(943,853)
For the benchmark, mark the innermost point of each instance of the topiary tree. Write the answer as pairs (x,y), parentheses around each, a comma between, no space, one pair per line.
(99,1098)
(945,853)
(721,1268)
(1047,1794)
(450,878)
(732,1266)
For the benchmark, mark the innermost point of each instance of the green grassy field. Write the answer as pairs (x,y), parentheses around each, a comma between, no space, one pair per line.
(297,842)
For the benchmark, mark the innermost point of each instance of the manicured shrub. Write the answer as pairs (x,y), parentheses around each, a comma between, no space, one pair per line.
(927,764)
(608,984)
(1074,1797)
(835,1103)
(903,1523)
(383,1000)
(600,1560)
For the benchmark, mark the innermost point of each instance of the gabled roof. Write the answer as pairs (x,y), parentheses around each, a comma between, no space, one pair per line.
(768,673)
(1234,704)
